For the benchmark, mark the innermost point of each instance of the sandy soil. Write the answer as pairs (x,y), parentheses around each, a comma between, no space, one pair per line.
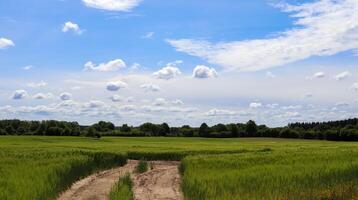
(160,182)
(97,186)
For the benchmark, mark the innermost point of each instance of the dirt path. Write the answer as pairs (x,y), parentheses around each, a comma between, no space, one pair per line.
(161,182)
(97,186)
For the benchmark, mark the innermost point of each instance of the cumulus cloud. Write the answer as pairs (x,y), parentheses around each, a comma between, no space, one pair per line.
(322,28)
(169,71)
(178,102)
(65,96)
(135,66)
(290,115)
(70,26)
(20,94)
(319,75)
(342,104)
(41,96)
(36,85)
(115,86)
(342,76)
(220,112)
(94,104)
(113,65)
(202,71)
(116,98)
(112,5)
(160,102)
(355,86)
(150,87)
(255,105)
(4,43)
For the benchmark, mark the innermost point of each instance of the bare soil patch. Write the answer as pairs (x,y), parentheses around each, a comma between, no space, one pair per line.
(160,182)
(97,186)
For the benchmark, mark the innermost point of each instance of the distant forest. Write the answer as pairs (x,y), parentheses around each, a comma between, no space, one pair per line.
(343,130)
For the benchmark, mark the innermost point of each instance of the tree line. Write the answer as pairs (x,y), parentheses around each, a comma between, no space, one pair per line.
(344,130)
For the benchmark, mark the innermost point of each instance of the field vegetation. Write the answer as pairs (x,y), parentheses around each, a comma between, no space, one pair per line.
(142,167)
(122,190)
(36,167)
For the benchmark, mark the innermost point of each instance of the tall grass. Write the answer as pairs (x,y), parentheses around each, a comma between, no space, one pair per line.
(122,190)
(42,167)
(44,174)
(305,174)
(141,167)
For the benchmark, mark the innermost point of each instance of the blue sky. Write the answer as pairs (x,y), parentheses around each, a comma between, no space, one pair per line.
(131,61)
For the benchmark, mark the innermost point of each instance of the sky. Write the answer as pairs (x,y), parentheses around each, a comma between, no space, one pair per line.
(180,62)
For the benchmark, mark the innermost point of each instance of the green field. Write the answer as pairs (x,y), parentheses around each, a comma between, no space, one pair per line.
(250,168)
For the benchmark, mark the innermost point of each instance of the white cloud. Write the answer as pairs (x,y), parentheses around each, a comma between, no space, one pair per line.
(255,105)
(342,76)
(272,106)
(4,43)
(202,71)
(115,86)
(94,104)
(178,102)
(168,72)
(40,96)
(27,68)
(20,94)
(290,115)
(135,66)
(65,96)
(148,35)
(36,85)
(150,87)
(113,65)
(220,112)
(355,86)
(270,75)
(128,108)
(323,28)
(116,98)
(75,88)
(319,75)
(342,104)
(112,5)
(292,107)
(70,26)
(160,102)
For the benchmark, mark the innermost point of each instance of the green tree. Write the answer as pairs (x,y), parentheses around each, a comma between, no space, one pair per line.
(204,130)
(251,128)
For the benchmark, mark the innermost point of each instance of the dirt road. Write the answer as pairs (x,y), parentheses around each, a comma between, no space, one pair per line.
(97,186)
(160,182)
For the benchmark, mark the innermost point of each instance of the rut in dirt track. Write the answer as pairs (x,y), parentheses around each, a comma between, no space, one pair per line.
(161,182)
